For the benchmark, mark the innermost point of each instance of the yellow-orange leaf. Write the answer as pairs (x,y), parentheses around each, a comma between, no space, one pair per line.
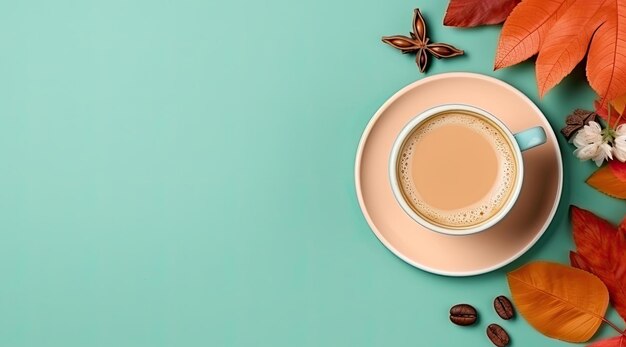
(526,28)
(559,301)
(606,181)
(619,104)
(606,66)
(566,43)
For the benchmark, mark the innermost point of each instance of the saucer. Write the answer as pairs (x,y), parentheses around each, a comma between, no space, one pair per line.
(470,254)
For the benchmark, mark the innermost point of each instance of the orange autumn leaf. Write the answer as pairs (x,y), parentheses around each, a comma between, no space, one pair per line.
(601,250)
(566,43)
(559,301)
(617,341)
(526,28)
(606,66)
(603,112)
(562,32)
(606,181)
(471,13)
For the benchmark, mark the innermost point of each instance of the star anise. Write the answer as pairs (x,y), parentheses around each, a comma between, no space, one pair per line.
(419,43)
(576,121)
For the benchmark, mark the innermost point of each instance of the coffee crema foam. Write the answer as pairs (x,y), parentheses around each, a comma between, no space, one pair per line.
(479,211)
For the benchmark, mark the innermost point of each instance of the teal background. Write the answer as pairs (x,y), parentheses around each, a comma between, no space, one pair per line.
(180,173)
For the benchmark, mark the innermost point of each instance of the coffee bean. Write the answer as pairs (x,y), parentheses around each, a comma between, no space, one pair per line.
(504,307)
(497,335)
(463,314)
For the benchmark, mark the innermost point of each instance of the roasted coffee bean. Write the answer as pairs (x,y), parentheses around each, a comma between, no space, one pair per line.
(497,335)
(463,314)
(503,307)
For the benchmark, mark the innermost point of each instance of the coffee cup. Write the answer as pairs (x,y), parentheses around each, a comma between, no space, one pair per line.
(457,169)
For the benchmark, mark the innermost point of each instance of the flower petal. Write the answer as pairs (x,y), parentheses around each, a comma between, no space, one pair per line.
(589,134)
(604,153)
(587,152)
(619,148)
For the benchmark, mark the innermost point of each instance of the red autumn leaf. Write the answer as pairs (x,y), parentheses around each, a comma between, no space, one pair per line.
(617,341)
(603,249)
(606,181)
(618,169)
(566,43)
(471,13)
(578,261)
(526,28)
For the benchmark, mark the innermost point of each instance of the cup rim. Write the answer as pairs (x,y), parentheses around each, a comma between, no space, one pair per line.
(395,185)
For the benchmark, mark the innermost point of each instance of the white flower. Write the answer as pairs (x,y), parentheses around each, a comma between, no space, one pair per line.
(619,151)
(603,154)
(591,145)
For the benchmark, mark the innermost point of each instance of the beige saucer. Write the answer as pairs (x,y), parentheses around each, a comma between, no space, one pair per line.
(458,255)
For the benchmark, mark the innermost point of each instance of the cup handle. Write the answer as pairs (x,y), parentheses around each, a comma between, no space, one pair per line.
(530,138)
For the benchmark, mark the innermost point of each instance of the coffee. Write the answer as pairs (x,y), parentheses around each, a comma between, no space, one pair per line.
(504,307)
(498,335)
(463,314)
(457,169)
